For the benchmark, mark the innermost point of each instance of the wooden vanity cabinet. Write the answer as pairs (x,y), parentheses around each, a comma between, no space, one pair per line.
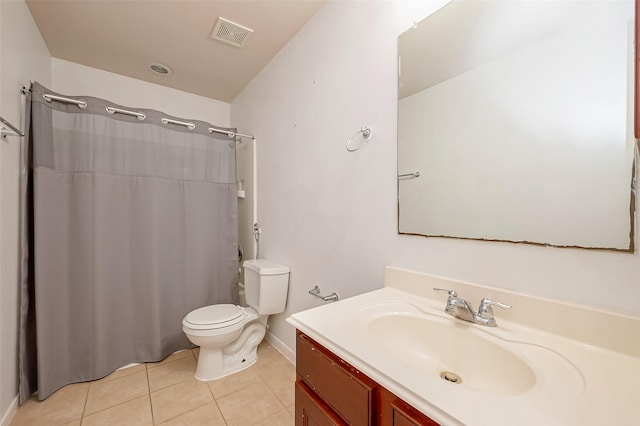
(329,392)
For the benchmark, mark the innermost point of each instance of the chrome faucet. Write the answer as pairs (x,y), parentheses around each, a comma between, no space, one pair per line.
(460,308)
(457,307)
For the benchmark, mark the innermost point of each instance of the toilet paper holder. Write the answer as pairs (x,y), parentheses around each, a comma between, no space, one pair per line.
(315,291)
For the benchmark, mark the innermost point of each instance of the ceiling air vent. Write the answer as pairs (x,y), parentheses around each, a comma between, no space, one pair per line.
(231,33)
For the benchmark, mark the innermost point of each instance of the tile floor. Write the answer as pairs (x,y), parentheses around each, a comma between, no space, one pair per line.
(166,393)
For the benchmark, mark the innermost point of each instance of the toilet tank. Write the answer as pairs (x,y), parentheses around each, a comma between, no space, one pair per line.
(266,284)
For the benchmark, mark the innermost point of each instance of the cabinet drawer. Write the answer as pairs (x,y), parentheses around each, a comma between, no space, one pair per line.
(311,410)
(347,391)
(406,415)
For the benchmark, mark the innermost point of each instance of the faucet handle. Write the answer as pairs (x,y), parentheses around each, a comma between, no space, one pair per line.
(485,311)
(452,293)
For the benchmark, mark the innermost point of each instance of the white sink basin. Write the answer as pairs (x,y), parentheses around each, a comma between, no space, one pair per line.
(432,346)
(482,359)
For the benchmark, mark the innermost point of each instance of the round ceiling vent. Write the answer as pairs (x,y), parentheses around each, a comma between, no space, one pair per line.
(160,69)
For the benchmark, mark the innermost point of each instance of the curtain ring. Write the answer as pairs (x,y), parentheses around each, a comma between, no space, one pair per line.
(366,135)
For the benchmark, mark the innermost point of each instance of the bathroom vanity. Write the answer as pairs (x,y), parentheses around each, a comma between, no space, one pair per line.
(393,357)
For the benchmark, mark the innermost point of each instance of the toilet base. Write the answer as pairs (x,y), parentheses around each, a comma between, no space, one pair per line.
(216,363)
(213,364)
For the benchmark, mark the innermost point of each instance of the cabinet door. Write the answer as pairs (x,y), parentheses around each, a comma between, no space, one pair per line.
(346,390)
(311,411)
(393,411)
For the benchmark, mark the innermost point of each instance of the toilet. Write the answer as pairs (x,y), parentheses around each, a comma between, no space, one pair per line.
(228,335)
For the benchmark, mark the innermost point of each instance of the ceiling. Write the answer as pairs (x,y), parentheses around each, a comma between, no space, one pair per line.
(123,37)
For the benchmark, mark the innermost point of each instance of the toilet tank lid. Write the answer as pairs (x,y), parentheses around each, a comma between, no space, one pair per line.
(265,267)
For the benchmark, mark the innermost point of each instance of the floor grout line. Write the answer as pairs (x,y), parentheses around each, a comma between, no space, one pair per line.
(153,419)
(215,401)
(84,406)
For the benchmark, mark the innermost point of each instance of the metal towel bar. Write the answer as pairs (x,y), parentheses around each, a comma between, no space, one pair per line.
(14,131)
(410,175)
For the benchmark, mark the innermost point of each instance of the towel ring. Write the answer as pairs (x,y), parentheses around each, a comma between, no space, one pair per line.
(366,135)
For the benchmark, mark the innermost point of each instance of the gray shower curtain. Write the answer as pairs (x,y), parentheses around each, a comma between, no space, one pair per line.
(134,224)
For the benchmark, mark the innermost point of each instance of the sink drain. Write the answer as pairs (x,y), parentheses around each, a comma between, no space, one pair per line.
(450,377)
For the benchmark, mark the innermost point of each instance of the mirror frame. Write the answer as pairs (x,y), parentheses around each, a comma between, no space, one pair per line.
(637,74)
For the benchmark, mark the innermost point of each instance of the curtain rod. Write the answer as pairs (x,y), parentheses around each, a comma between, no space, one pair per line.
(81,103)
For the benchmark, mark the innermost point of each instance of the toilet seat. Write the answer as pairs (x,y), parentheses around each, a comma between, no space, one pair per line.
(215,317)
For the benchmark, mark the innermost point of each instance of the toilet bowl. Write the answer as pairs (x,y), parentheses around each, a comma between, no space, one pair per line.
(228,335)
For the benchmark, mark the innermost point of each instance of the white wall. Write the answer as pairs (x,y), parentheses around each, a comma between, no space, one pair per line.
(332,216)
(24,57)
(70,78)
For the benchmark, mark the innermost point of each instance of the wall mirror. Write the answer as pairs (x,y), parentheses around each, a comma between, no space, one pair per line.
(515,123)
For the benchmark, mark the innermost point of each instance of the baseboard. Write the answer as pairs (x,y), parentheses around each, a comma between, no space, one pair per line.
(11,411)
(282,348)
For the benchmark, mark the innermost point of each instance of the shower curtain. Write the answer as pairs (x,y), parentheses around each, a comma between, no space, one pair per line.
(128,225)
